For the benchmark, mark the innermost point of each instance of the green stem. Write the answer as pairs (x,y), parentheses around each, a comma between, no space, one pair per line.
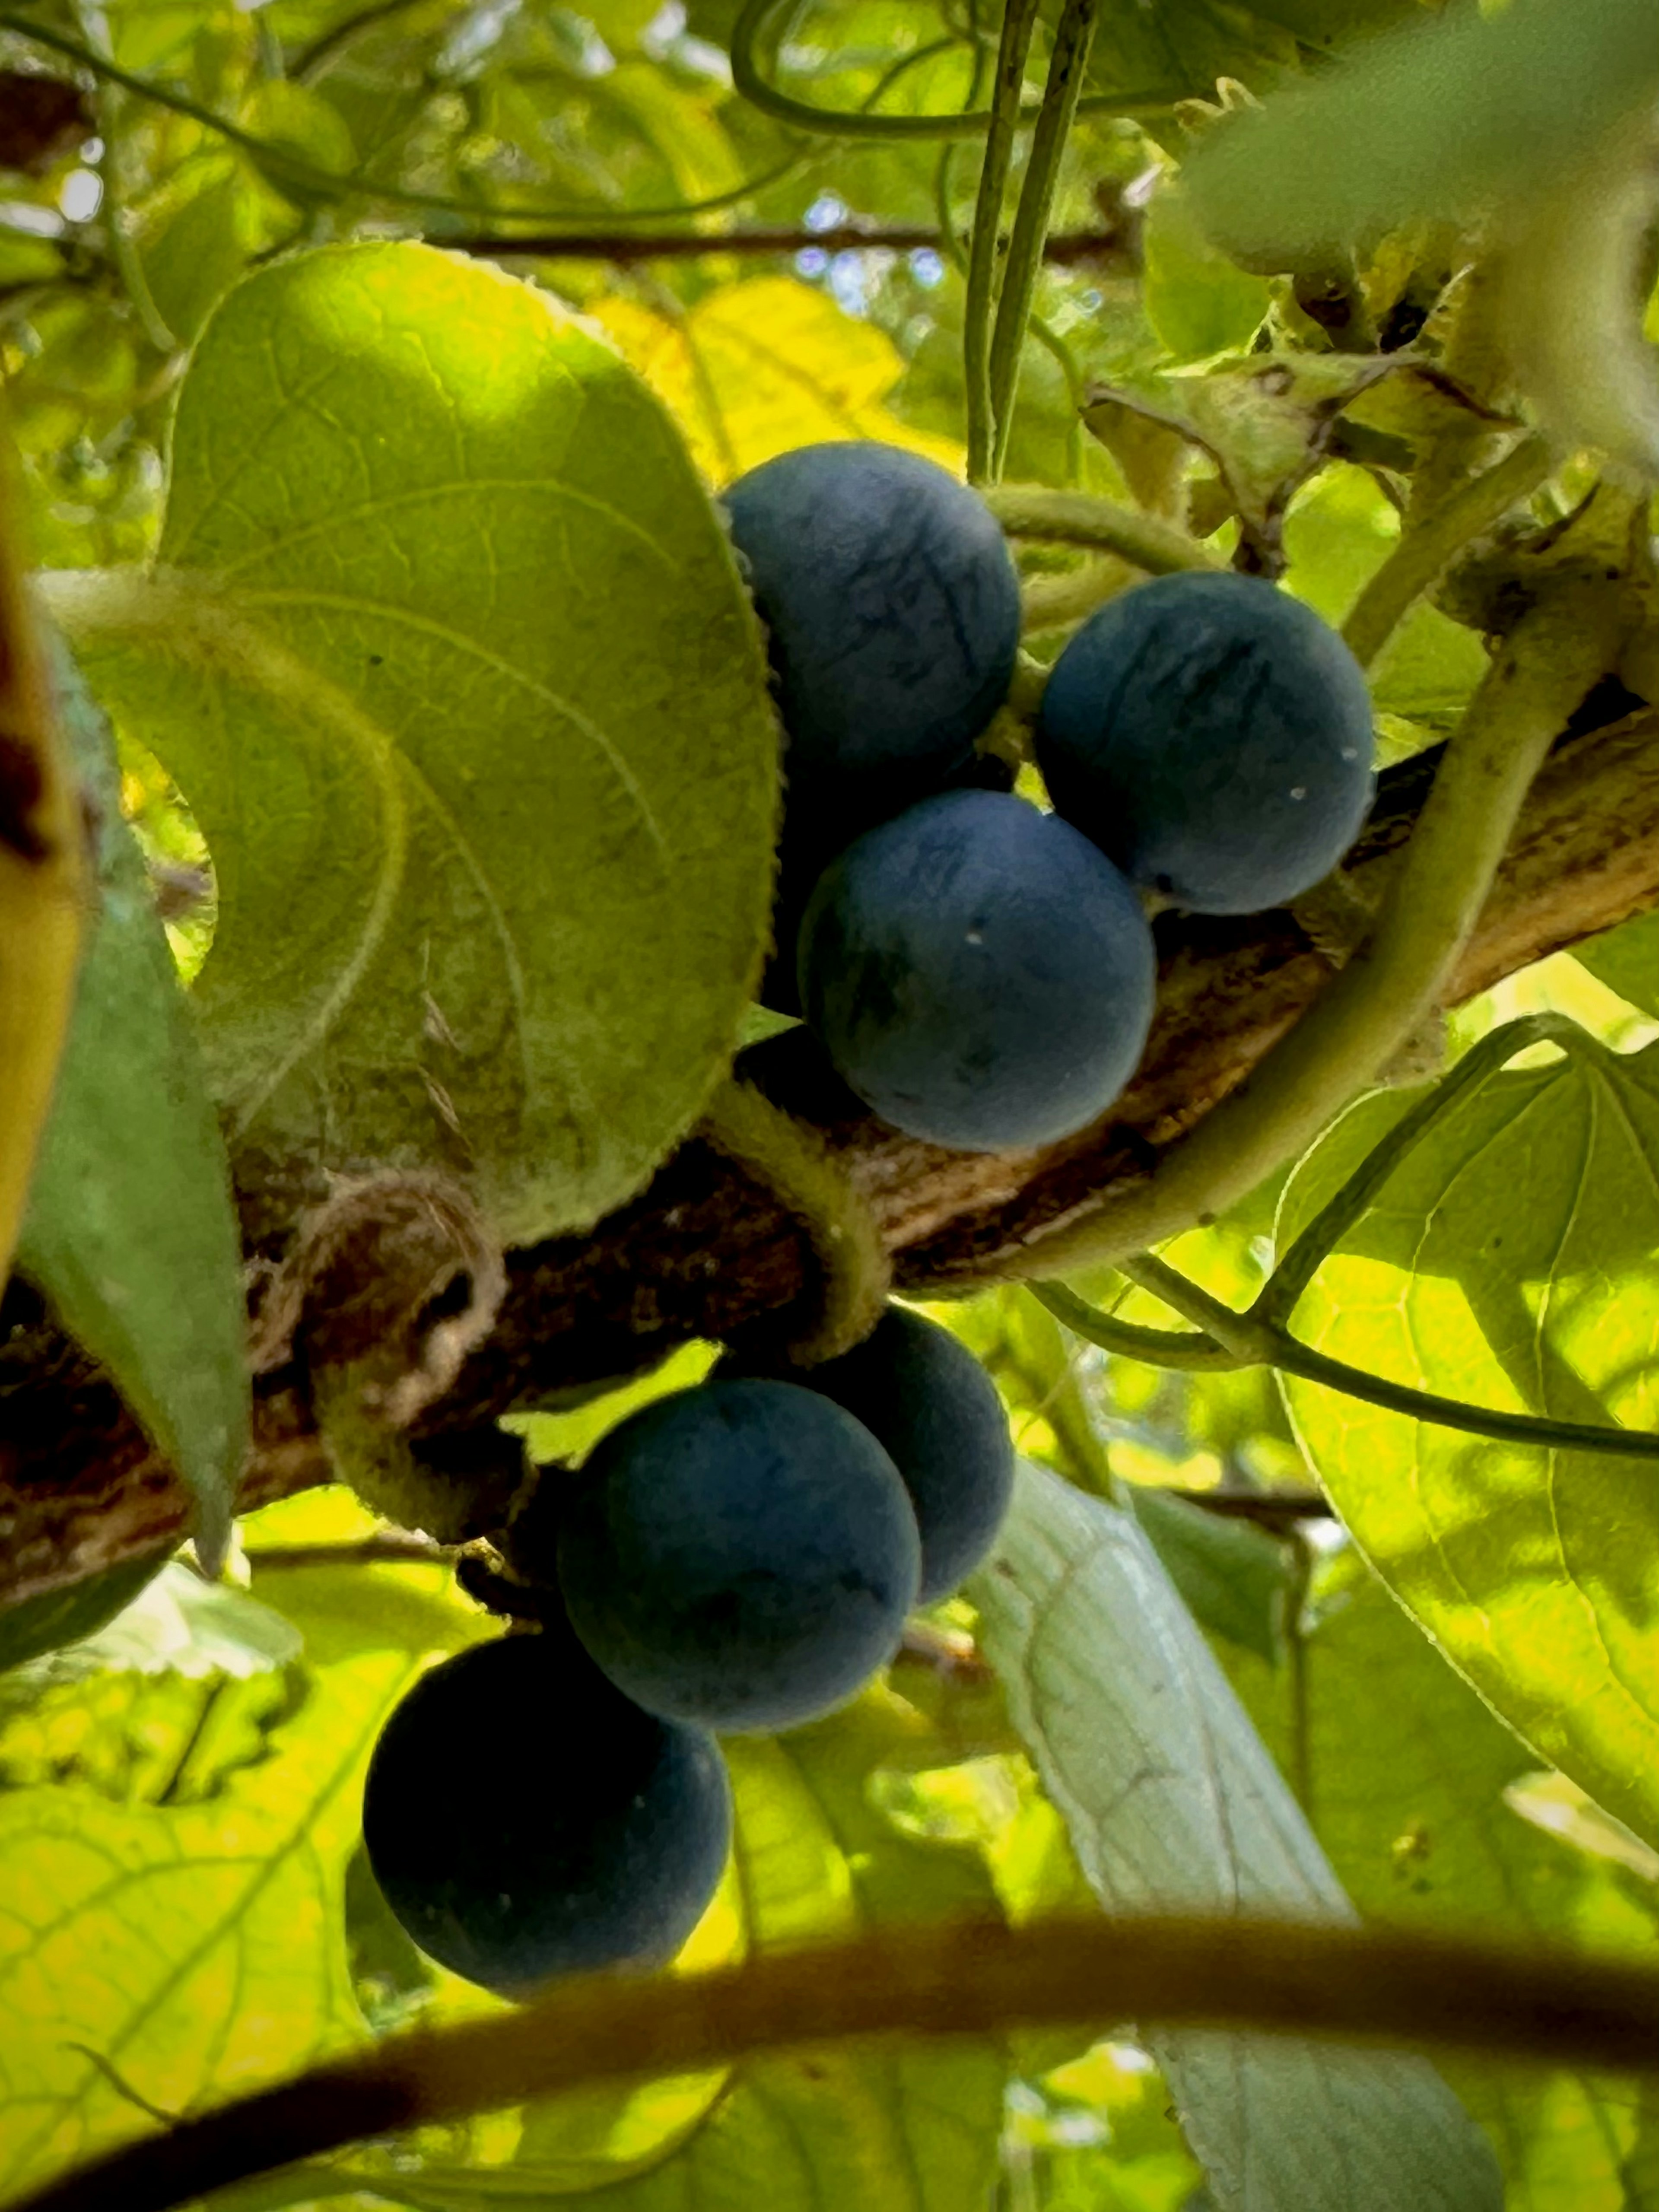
(1255,1342)
(1064,89)
(948,1980)
(1191,1352)
(1019,20)
(1081,518)
(749,79)
(1055,346)
(791,1158)
(1280,1294)
(1428,547)
(1057,603)
(1550,660)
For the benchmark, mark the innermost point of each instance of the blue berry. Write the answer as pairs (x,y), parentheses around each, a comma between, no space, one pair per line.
(891,607)
(978,973)
(935,1412)
(524,1819)
(741,1555)
(1214,737)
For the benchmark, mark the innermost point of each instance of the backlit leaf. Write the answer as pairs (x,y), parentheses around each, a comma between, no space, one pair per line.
(1508,1261)
(1172,1803)
(1409,1772)
(760,367)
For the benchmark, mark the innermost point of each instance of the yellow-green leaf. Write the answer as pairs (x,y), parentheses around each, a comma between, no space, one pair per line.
(1508,1259)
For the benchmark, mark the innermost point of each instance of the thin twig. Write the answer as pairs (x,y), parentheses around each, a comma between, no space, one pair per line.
(1276,1510)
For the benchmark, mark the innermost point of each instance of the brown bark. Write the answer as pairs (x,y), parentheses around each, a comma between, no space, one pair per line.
(705,1251)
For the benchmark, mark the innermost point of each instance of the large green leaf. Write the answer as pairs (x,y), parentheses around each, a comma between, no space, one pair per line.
(1172,1802)
(1472,105)
(1407,1772)
(1508,1259)
(131,1231)
(448,651)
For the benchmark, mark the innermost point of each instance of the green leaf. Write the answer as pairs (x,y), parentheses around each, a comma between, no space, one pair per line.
(1233,1579)
(177,1955)
(1198,301)
(1172,1802)
(1505,1261)
(1472,105)
(181,1952)
(1626,960)
(449,655)
(1409,1773)
(55,1617)
(131,1231)
(180,1625)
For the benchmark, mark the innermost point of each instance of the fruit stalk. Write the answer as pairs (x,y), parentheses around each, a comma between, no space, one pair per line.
(1428,547)
(1081,518)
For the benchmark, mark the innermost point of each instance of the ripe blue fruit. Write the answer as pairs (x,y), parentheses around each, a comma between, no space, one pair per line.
(892,612)
(524,1819)
(741,1554)
(1214,737)
(978,973)
(815,831)
(935,1412)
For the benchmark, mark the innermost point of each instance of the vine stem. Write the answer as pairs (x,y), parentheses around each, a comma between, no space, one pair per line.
(1548,664)
(792,1160)
(975,1977)
(1066,63)
(1427,547)
(1082,518)
(749,79)
(1252,1341)
(1018,20)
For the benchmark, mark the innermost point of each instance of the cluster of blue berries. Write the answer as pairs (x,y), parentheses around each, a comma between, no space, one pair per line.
(743,1555)
(982,973)
(736,1556)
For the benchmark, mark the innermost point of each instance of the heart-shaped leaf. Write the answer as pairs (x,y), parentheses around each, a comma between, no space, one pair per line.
(448,651)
